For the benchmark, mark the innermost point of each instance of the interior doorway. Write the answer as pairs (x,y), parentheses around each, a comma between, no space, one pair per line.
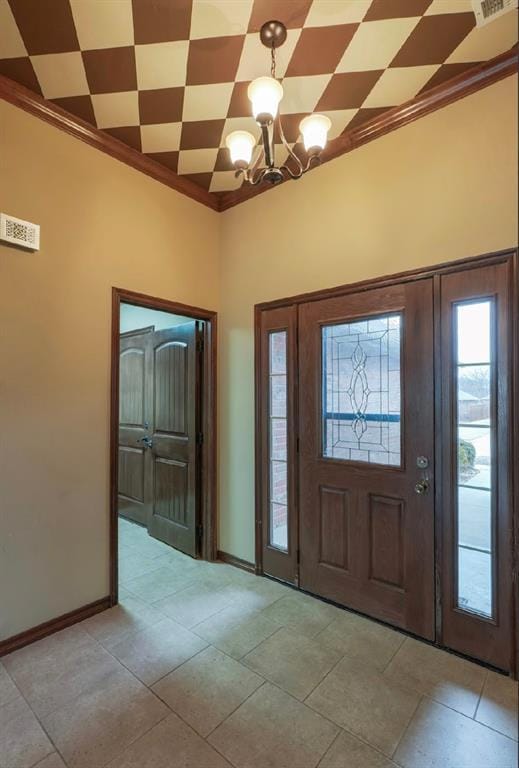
(163,425)
(385,439)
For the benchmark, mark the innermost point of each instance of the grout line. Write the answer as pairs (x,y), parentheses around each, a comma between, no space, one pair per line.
(383,671)
(328,748)
(480,695)
(400,740)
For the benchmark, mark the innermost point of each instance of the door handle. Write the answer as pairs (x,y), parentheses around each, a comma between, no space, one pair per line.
(421,487)
(147,441)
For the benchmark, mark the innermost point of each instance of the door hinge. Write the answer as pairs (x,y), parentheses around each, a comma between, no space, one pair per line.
(199,438)
(199,534)
(297,444)
(200,344)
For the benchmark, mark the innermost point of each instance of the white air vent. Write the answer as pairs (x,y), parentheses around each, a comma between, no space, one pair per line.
(19,232)
(488,10)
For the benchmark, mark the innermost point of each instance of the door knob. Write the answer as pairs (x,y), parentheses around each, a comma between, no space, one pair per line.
(147,441)
(421,487)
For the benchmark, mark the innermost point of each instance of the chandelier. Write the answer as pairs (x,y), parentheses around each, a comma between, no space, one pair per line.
(265,93)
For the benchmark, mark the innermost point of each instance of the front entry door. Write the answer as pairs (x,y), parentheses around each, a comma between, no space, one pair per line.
(366,452)
(158,395)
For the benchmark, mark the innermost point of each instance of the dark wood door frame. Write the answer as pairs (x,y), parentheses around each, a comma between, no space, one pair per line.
(509,255)
(208,480)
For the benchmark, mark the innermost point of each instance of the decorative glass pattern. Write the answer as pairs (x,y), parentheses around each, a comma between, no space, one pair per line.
(474,442)
(361,408)
(278,473)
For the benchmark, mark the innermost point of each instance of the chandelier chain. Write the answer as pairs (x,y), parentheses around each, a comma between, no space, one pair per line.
(273,61)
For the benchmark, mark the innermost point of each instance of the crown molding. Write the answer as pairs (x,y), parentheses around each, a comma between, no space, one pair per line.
(451,90)
(30,102)
(456,88)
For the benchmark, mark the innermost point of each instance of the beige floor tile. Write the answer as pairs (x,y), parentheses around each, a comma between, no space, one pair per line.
(134,565)
(150,547)
(257,593)
(438,674)
(194,604)
(273,730)
(348,752)
(8,690)
(22,740)
(236,630)
(362,700)
(131,615)
(498,705)
(170,744)
(160,583)
(305,615)
(206,689)
(57,669)
(153,652)
(52,761)
(293,662)
(438,737)
(101,722)
(362,639)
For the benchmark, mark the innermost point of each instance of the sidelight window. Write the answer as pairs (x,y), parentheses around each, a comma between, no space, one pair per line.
(361,391)
(475,459)
(278,434)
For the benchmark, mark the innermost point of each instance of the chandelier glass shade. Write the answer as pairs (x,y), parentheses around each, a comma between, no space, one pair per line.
(265,95)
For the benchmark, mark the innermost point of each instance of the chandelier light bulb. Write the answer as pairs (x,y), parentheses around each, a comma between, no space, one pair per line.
(265,93)
(314,129)
(240,145)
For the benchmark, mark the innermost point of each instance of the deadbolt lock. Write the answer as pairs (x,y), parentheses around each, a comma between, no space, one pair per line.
(422,462)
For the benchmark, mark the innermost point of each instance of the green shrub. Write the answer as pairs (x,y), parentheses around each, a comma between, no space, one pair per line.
(466,455)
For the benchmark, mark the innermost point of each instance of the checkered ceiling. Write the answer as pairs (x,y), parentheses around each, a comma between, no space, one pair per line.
(169,77)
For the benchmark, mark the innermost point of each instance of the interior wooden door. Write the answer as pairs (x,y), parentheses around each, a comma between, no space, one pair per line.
(366,470)
(476,438)
(134,481)
(173,431)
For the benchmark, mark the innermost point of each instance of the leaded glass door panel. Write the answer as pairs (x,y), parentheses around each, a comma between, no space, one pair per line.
(366,452)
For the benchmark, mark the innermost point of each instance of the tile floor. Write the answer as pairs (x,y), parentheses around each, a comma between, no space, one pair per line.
(205,666)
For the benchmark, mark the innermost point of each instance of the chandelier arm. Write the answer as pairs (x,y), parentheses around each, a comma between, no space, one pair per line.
(291,172)
(289,150)
(255,180)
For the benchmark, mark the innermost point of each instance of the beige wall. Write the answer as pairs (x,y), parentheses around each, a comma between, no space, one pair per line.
(102,224)
(442,188)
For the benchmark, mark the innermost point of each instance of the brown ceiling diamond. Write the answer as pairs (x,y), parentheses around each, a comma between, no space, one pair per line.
(22,71)
(319,49)
(111,70)
(162,105)
(363,115)
(214,59)
(130,134)
(46,26)
(81,106)
(200,134)
(200,179)
(446,72)
(348,90)
(396,9)
(434,39)
(169,159)
(160,21)
(239,105)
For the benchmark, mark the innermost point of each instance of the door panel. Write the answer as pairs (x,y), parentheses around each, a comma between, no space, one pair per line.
(133,482)
(366,415)
(475,493)
(173,513)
